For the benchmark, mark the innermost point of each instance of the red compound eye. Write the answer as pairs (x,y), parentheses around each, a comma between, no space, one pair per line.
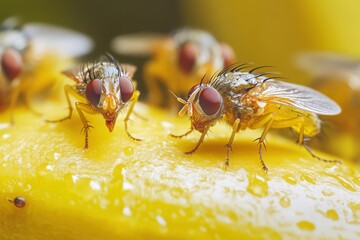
(126,89)
(11,63)
(93,91)
(210,100)
(187,56)
(192,90)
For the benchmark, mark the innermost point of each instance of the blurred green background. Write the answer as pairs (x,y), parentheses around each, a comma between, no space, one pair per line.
(262,32)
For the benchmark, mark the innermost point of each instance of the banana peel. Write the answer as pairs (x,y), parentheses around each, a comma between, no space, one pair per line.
(124,189)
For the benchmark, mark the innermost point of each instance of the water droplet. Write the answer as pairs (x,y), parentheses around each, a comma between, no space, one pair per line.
(95,185)
(161,220)
(305,225)
(327,193)
(345,183)
(285,201)
(332,214)
(290,179)
(128,151)
(308,178)
(257,185)
(127,211)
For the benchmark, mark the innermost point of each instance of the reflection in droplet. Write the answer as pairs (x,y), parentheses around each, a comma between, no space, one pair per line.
(128,151)
(52,156)
(127,186)
(127,211)
(57,155)
(332,214)
(44,169)
(95,185)
(305,225)
(308,178)
(285,201)
(257,185)
(289,179)
(75,178)
(161,220)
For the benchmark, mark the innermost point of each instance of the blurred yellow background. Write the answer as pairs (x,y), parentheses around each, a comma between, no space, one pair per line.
(273,32)
(262,32)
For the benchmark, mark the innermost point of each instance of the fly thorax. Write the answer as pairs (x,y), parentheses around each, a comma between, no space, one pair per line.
(241,80)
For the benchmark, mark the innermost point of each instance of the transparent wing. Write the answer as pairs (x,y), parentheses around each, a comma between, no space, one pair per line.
(298,96)
(137,44)
(47,38)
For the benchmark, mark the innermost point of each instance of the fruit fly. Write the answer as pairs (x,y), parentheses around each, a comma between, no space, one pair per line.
(27,49)
(104,87)
(338,76)
(247,99)
(178,60)
(19,202)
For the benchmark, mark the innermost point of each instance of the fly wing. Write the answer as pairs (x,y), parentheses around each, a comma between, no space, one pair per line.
(298,96)
(61,41)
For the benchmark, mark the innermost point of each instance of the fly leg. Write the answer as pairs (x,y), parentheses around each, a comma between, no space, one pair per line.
(228,146)
(81,108)
(301,141)
(199,142)
(182,135)
(266,120)
(131,109)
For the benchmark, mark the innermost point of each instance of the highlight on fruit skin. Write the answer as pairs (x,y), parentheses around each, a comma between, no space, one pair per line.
(121,189)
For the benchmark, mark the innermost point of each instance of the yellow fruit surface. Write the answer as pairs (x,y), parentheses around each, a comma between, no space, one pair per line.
(123,189)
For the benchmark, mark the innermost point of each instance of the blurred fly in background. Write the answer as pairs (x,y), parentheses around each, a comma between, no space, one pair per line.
(178,61)
(32,56)
(338,76)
